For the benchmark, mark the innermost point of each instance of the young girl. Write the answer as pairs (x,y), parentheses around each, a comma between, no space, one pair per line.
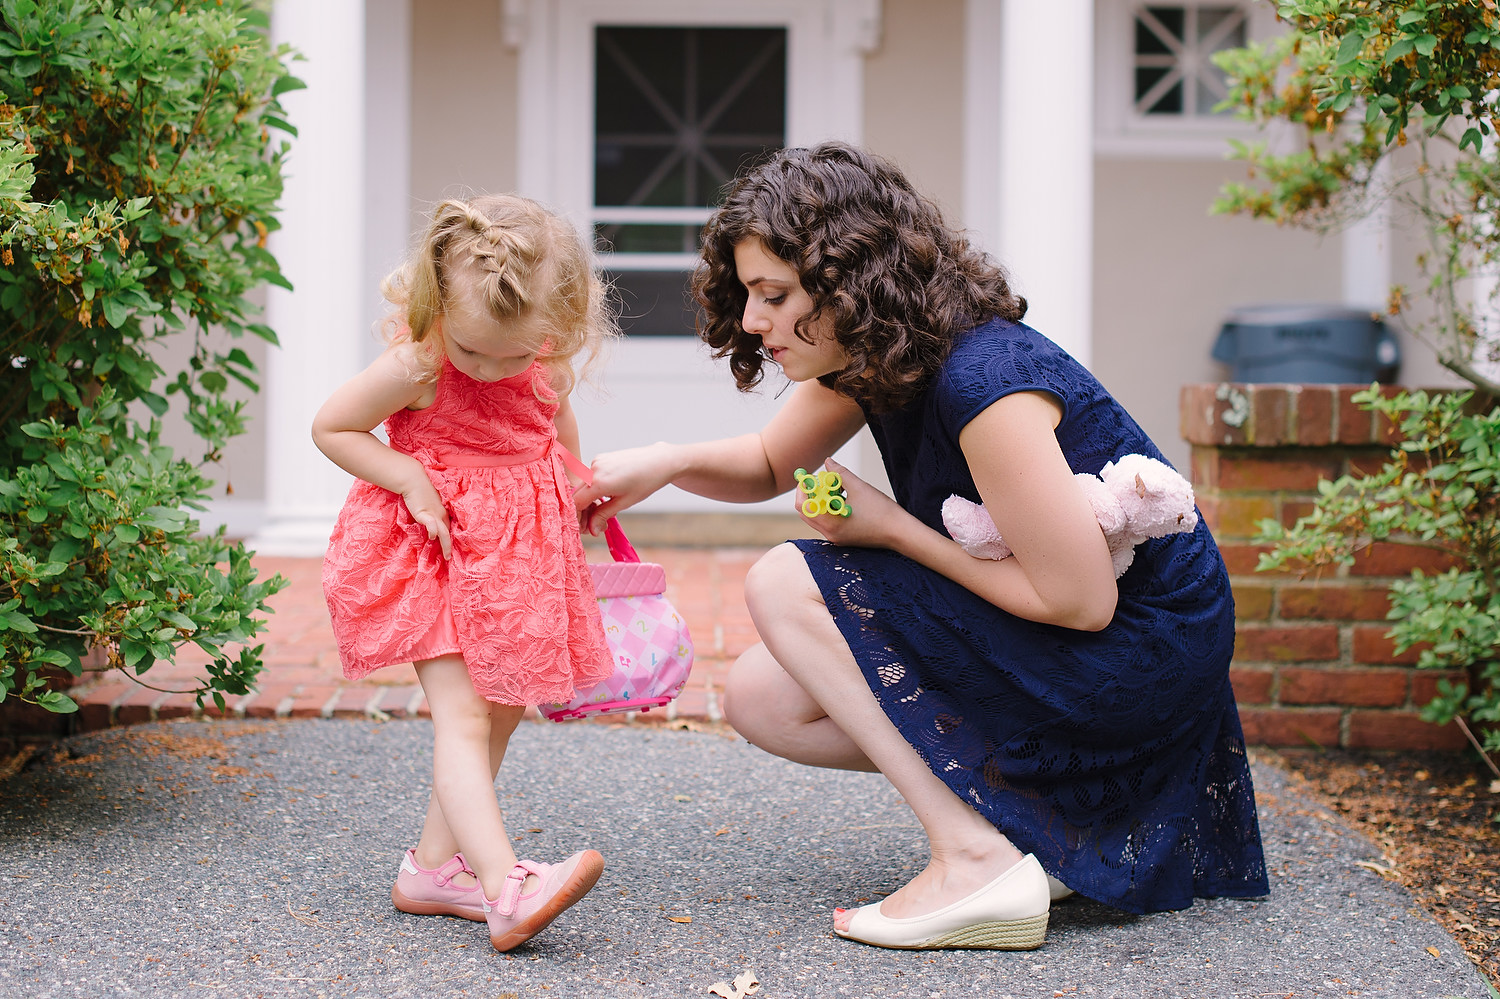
(458,549)
(1037,714)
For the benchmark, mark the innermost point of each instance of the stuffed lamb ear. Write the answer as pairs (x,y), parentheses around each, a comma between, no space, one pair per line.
(972,527)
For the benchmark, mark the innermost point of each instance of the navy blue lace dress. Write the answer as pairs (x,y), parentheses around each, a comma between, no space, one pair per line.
(1115,756)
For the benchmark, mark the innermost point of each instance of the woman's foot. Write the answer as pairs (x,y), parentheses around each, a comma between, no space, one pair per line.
(943,882)
(1009,912)
(535,894)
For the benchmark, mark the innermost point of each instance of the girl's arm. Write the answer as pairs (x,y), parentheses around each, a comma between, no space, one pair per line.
(566,421)
(1060,573)
(813,424)
(342,428)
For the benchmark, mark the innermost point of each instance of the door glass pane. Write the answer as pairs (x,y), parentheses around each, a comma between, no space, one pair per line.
(678,112)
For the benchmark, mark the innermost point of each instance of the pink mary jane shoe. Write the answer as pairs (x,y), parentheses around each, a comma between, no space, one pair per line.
(1009,913)
(517,916)
(433,893)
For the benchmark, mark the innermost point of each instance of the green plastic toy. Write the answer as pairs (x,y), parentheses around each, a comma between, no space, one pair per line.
(824,491)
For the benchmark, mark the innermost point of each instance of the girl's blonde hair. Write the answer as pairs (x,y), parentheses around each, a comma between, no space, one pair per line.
(529,262)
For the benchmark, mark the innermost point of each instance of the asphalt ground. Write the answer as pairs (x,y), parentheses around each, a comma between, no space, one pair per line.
(247,859)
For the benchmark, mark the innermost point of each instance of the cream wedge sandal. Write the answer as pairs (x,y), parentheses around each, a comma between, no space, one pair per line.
(1009,913)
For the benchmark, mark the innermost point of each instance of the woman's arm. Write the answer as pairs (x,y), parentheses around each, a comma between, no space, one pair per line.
(813,424)
(342,428)
(1060,572)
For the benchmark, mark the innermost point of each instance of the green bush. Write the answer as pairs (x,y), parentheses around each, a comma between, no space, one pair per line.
(1440,489)
(138,180)
(1356,81)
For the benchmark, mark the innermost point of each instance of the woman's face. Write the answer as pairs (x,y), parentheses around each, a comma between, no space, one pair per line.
(775,300)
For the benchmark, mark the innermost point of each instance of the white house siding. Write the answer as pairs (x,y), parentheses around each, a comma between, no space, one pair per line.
(1164,272)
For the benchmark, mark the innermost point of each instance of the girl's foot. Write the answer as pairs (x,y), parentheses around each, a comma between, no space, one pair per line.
(1007,913)
(535,894)
(449,890)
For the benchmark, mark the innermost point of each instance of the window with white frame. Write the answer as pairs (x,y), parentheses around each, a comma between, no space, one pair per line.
(678,111)
(1173,52)
(1158,90)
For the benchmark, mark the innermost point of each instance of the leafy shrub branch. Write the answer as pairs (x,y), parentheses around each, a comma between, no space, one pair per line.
(138,182)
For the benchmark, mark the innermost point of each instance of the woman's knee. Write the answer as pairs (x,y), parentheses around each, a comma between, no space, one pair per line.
(775,582)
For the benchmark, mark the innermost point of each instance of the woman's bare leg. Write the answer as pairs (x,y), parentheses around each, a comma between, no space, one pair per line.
(801,637)
(469,738)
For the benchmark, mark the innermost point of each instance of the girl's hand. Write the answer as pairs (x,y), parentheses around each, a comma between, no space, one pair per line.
(427,509)
(875,520)
(621,480)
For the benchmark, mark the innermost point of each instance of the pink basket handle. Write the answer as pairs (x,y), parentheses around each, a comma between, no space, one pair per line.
(620,548)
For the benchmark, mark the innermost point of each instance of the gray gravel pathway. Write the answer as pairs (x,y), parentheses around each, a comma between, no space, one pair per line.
(247,860)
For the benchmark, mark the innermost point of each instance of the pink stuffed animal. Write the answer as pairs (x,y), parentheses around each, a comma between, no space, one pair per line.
(1134,498)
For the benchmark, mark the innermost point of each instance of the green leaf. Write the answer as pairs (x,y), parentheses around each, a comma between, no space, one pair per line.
(128,533)
(16,621)
(57,702)
(1349,49)
(1425,44)
(1398,50)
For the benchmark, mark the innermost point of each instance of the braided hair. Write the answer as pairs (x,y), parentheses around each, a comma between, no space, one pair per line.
(528,262)
(876,257)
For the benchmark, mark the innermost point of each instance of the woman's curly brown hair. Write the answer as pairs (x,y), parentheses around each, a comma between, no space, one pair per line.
(875,255)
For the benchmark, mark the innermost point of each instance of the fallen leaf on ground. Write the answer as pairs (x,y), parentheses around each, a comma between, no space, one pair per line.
(681,919)
(1434,952)
(745,983)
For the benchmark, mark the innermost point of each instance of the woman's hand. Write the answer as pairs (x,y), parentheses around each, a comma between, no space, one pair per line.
(621,480)
(427,509)
(875,520)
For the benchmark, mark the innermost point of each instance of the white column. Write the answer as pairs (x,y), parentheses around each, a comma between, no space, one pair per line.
(981,214)
(1367,248)
(1046,154)
(321,325)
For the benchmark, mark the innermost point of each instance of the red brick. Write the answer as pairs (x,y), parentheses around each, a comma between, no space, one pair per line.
(1371,645)
(1315,415)
(1232,515)
(1291,644)
(1355,425)
(1204,467)
(1424,683)
(1270,414)
(1196,413)
(692,704)
(1252,686)
(1241,559)
(1252,601)
(1333,601)
(1385,558)
(1366,688)
(134,707)
(1283,727)
(94,702)
(1202,414)
(1400,730)
(1297,470)
(1293,510)
(177,706)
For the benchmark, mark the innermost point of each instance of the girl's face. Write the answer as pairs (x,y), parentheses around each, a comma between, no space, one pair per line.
(775,301)
(483,347)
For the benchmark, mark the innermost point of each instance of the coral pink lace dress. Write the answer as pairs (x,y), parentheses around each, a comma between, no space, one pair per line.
(515,600)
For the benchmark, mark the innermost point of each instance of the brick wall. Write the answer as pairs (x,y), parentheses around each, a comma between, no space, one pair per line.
(1312,664)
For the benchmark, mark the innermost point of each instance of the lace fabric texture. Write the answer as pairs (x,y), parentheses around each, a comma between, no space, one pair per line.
(1115,756)
(517,585)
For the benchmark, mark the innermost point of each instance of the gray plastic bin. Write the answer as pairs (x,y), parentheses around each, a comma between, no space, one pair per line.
(1307,343)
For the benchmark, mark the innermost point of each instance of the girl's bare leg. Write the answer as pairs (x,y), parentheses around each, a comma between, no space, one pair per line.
(801,639)
(470,735)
